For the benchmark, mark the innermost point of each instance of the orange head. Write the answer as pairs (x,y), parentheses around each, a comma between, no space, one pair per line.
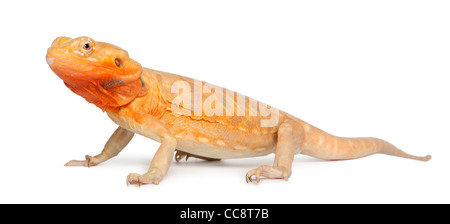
(101,73)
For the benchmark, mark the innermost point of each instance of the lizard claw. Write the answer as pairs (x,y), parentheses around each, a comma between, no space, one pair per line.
(180,155)
(255,172)
(88,160)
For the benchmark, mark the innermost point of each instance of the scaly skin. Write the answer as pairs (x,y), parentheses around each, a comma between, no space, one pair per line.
(141,100)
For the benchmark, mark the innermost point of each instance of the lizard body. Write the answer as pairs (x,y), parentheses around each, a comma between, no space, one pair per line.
(214,137)
(212,123)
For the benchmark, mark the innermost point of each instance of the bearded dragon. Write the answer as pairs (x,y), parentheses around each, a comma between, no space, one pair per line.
(208,124)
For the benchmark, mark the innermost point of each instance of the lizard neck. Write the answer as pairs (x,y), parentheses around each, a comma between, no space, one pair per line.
(121,95)
(150,99)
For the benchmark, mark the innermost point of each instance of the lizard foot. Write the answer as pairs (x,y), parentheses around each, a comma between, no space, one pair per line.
(181,155)
(271,172)
(153,176)
(90,161)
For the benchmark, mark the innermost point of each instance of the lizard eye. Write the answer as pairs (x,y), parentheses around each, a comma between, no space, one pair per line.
(86,46)
(118,62)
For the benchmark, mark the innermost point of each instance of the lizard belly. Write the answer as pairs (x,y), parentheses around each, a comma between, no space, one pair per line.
(219,152)
(215,140)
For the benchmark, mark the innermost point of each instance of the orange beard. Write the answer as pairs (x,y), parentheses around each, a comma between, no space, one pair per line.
(107,95)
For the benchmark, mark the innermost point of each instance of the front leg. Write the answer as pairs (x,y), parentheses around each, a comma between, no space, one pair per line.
(119,139)
(163,157)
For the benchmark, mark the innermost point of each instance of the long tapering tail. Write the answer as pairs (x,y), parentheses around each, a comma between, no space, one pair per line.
(351,148)
(389,149)
(322,145)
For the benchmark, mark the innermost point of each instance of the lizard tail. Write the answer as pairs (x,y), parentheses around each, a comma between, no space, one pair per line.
(326,146)
(390,149)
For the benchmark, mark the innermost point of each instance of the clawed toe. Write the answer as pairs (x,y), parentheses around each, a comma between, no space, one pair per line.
(89,161)
(151,177)
(255,172)
(133,178)
(180,155)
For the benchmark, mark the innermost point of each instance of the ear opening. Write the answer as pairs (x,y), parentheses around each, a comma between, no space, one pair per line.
(118,62)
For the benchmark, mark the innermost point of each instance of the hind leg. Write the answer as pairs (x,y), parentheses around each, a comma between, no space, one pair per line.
(289,133)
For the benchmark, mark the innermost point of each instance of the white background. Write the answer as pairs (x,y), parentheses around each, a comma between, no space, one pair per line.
(351,68)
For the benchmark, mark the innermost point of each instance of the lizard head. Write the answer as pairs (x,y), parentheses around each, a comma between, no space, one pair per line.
(101,73)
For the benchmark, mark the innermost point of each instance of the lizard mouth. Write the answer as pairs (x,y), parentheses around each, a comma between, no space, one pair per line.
(69,64)
(49,61)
